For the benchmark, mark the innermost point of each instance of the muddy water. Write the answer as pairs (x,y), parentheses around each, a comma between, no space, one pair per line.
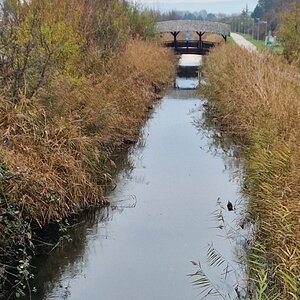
(160,220)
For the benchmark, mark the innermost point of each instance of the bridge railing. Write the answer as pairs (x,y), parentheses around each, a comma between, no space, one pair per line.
(190,44)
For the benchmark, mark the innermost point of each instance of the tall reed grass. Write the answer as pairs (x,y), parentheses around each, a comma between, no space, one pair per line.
(55,147)
(77,79)
(257,98)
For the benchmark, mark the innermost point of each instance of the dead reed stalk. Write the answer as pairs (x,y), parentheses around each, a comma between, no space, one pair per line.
(258,98)
(57,145)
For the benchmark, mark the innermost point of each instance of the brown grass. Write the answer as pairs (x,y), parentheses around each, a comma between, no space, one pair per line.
(74,87)
(57,145)
(258,98)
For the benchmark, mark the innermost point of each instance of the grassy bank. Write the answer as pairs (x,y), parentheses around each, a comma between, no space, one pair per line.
(278,49)
(257,99)
(77,80)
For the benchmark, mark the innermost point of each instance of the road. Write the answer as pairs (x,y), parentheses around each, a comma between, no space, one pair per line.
(241,41)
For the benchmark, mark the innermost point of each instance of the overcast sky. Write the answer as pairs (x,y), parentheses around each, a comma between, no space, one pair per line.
(214,6)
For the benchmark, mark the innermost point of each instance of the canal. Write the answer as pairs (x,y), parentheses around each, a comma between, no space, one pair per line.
(163,216)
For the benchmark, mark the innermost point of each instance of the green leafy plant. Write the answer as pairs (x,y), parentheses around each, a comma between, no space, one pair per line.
(289,32)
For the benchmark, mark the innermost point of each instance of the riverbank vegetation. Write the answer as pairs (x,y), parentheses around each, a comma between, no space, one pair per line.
(280,19)
(283,19)
(256,99)
(289,32)
(77,79)
(262,47)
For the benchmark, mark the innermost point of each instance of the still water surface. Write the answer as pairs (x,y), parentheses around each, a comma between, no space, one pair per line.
(160,220)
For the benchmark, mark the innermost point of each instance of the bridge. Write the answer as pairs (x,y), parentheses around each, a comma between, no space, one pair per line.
(200,27)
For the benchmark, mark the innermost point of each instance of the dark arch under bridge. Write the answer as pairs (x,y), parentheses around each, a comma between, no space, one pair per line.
(200,27)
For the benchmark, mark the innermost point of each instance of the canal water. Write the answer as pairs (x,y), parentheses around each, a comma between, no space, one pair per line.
(163,217)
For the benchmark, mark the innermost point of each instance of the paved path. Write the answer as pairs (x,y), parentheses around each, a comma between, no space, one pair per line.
(241,41)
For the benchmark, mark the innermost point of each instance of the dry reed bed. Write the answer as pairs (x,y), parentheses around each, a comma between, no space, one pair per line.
(258,99)
(55,148)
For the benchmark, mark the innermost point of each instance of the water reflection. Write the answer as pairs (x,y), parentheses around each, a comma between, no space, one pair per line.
(188,77)
(230,147)
(50,267)
(161,218)
(188,72)
(222,142)
(186,83)
(190,60)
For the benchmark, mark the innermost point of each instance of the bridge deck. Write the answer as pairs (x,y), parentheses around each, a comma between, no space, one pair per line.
(190,46)
(200,27)
(193,25)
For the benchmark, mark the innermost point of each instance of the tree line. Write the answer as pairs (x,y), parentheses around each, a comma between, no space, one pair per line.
(284,19)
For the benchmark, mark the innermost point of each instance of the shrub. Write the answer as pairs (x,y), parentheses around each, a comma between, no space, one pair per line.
(289,32)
